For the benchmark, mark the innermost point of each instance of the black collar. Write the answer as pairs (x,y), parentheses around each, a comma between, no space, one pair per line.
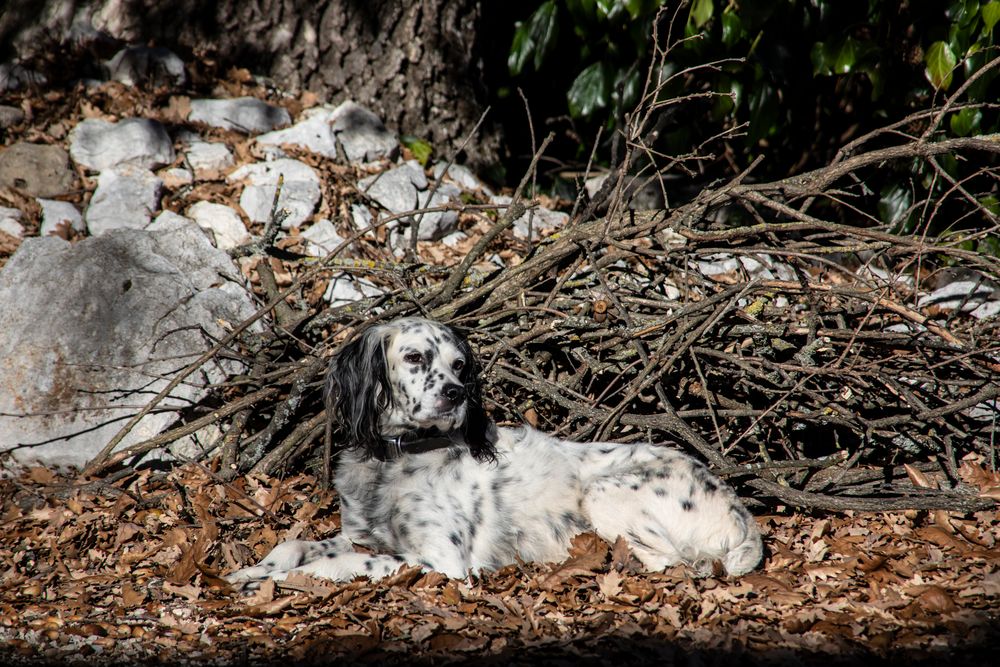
(420,441)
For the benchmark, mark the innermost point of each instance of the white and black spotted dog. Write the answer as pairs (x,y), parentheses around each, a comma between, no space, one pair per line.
(429,480)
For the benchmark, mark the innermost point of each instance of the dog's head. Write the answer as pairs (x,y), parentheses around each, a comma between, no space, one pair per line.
(410,375)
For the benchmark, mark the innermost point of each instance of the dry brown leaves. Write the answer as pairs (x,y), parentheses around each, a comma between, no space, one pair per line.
(129,570)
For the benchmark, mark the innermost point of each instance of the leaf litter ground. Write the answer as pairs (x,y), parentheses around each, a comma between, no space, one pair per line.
(127,570)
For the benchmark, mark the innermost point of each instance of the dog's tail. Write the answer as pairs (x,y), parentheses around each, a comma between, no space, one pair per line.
(747,553)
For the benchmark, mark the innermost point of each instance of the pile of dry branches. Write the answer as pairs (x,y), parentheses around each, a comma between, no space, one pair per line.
(775,329)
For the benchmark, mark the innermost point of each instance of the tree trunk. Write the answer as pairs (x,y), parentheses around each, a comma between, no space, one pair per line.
(416,64)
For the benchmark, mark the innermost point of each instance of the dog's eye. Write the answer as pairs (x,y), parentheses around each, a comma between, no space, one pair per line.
(414,357)
(458,365)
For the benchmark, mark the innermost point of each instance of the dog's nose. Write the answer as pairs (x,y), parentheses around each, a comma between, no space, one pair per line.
(454,393)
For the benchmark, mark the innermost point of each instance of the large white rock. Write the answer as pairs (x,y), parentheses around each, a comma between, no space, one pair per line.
(126,196)
(92,330)
(299,194)
(243,114)
(55,213)
(97,144)
(224,224)
(351,127)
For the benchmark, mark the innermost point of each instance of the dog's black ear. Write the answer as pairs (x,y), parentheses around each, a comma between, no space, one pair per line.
(357,391)
(479,430)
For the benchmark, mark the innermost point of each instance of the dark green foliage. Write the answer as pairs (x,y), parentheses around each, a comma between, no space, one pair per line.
(803,77)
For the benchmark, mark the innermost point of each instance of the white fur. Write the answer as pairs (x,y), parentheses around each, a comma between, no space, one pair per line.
(445,510)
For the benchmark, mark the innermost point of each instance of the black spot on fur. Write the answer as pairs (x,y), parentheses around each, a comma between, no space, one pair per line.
(687,505)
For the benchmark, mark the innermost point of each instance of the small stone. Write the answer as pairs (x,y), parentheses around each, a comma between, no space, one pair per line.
(176,177)
(126,196)
(207,158)
(322,239)
(539,220)
(56,213)
(454,239)
(314,133)
(350,127)
(299,193)
(396,189)
(402,189)
(15,77)
(463,177)
(242,114)
(345,288)
(145,64)
(542,219)
(224,223)
(36,169)
(10,116)
(97,144)
(361,217)
(10,222)
(362,134)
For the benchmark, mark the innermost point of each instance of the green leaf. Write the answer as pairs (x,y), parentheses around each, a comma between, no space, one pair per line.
(701,13)
(846,57)
(989,245)
(966,122)
(421,150)
(763,103)
(639,8)
(991,204)
(894,206)
(822,59)
(608,9)
(732,28)
(940,61)
(991,14)
(591,90)
(534,38)
(520,49)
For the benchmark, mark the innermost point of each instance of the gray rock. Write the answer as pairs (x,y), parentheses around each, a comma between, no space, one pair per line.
(322,239)
(461,176)
(126,196)
(10,116)
(974,297)
(223,223)
(55,213)
(10,222)
(176,177)
(99,145)
(93,330)
(299,194)
(144,64)
(396,189)
(243,114)
(404,189)
(345,288)
(14,77)
(36,169)
(362,134)
(314,133)
(206,157)
(348,127)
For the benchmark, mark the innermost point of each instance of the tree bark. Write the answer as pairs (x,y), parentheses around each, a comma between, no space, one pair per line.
(418,65)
